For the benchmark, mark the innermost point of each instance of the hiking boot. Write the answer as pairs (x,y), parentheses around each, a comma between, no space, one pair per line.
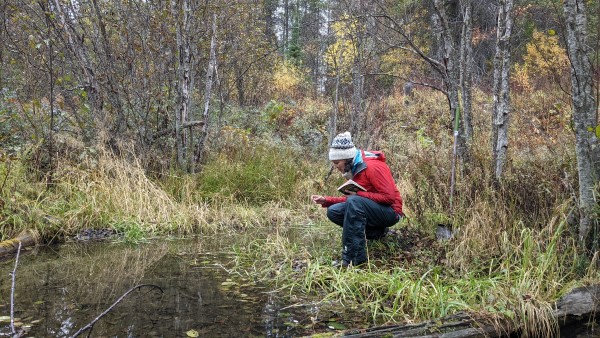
(344,264)
(337,264)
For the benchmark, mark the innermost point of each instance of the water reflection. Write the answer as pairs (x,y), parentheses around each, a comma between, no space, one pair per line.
(588,327)
(59,290)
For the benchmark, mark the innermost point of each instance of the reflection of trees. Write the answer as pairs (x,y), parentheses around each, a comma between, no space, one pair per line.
(85,277)
(68,288)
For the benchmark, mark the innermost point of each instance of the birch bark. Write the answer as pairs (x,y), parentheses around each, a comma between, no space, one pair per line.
(466,75)
(501,90)
(450,57)
(585,118)
(75,43)
(212,66)
(185,81)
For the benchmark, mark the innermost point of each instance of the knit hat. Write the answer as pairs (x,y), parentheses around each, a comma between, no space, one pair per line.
(342,147)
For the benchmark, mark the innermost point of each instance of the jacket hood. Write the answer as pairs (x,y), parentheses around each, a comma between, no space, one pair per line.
(363,158)
(373,155)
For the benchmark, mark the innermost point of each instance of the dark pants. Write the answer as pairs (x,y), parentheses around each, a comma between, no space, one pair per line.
(361,219)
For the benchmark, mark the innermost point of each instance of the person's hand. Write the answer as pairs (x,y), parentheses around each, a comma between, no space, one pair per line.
(318,199)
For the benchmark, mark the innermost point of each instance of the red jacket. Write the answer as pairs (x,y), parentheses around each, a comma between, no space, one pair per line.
(375,176)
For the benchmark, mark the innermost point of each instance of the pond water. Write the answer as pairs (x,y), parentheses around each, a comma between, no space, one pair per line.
(585,328)
(61,289)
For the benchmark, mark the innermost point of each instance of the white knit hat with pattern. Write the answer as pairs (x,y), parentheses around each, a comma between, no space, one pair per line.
(342,147)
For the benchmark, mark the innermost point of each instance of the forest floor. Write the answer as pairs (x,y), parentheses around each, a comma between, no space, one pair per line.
(407,246)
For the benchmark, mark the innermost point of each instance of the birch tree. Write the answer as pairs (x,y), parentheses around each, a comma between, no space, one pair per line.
(456,58)
(501,90)
(449,56)
(466,74)
(210,71)
(585,119)
(185,80)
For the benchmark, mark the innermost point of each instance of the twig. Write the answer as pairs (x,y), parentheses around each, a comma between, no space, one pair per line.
(91,324)
(8,168)
(12,293)
(300,305)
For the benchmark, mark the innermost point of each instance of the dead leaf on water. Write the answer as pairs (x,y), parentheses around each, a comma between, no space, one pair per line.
(192,333)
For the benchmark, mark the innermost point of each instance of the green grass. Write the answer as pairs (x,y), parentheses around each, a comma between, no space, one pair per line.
(513,254)
(520,285)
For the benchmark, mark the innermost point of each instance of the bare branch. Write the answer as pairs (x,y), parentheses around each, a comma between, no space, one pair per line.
(439,67)
(91,324)
(171,130)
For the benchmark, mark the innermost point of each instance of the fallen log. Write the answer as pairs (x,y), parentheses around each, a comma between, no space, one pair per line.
(576,306)
(580,301)
(460,325)
(10,246)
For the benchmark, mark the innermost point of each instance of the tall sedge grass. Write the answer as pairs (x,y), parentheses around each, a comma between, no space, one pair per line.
(531,270)
(119,194)
(257,185)
(100,191)
(513,252)
(512,255)
(255,174)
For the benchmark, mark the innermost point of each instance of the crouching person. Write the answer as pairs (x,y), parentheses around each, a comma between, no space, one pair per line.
(362,214)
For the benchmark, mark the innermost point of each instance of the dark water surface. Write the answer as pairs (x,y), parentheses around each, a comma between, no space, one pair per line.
(61,289)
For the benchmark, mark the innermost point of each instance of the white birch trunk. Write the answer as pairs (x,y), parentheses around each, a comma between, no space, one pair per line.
(334,113)
(501,110)
(185,81)
(107,62)
(466,71)
(585,117)
(449,57)
(212,66)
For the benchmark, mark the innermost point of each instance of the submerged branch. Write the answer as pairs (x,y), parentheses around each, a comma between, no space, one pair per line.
(91,324)
(12,293)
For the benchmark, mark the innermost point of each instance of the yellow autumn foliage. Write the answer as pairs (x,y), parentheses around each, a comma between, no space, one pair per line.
(340,55)
(544,59)
(287,79)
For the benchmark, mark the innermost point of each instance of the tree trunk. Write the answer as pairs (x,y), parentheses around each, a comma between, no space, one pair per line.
(358,106)
(334,112)
(585,119)
(212,65)
(107,62)
(285,26)
(363,43)
(501,89)
(50,136)
(450,56)
(11,246)
(185,81)
(466,79)
(75,43)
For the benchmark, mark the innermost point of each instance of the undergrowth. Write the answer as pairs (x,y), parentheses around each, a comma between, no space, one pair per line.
(512,255)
